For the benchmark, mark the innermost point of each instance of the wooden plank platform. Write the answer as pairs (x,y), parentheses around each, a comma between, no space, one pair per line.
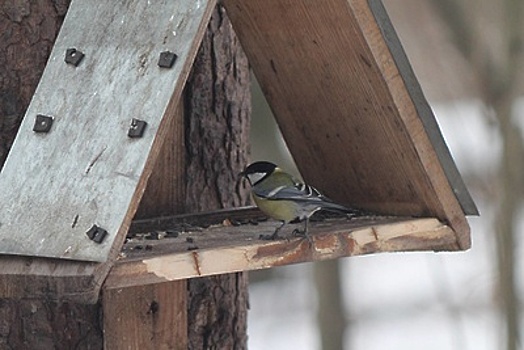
(175,248)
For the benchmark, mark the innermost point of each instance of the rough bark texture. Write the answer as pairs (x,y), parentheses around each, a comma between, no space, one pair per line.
(35,324)
(217,131)
(27,33)
(217,124)
(217,109)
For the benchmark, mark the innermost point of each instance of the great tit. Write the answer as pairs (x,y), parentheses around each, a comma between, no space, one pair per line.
(283,198)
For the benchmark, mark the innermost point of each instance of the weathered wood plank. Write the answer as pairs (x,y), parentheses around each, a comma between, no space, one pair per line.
(165,190)
(102,112)
(342,104)
(154,316)
(146,317)
(225,248)
(86,170)
(423,108)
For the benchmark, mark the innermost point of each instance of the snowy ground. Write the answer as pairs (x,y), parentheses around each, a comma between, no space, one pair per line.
(403,300)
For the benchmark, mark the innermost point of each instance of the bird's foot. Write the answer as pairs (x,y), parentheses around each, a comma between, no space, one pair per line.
(272,237)
(304,234)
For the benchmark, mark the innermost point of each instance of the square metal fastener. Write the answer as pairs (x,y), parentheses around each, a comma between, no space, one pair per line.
(137,128)
(73,56)
(167,59)
(43,123)
(96,234)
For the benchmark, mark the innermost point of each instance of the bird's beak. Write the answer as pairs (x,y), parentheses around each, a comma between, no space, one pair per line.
(241,175)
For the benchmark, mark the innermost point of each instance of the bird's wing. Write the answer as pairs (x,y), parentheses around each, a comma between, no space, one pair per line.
(298,192)
(301,193)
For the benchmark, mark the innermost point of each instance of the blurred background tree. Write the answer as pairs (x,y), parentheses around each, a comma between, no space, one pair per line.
(490,36)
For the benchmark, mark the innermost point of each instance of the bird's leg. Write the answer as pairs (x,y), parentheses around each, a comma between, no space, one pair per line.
(305,232)
(274,235)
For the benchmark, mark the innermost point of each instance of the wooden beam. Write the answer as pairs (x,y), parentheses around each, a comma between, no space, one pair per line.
(344,109)
(224,248)
(86,170)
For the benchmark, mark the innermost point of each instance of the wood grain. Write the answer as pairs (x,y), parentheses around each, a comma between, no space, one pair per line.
(165,189)
(343,107)
(222,248)
(86,170)
(86,165)
(146,317)
(154,316)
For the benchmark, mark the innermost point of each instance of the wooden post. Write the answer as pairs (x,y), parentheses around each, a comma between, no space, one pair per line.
(154,316)
(146,317)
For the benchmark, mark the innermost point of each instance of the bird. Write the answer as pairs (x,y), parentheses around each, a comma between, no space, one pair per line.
(280,196)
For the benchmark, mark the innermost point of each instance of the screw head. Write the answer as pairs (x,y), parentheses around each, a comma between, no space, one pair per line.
(137,128)
(96,234)
(167,59)
(43,123)
(73,56)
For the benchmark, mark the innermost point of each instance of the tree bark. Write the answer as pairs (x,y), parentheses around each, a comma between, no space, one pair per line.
(217,132)
(28,30)
(217,109)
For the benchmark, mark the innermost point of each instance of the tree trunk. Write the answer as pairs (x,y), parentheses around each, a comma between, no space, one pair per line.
(28,30)
(331,317)
(217,132)
(217,109)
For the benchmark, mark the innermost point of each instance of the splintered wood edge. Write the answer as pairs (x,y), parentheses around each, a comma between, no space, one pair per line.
(427,234)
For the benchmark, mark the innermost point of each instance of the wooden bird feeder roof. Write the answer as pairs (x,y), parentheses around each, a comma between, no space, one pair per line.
(344,96)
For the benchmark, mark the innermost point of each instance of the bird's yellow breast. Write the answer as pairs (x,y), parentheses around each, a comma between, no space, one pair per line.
(277,209)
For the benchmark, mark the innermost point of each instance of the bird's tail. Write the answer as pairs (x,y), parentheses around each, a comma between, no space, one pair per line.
(337,208)
(330,206)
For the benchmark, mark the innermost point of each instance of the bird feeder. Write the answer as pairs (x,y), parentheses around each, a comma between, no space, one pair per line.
(343,94)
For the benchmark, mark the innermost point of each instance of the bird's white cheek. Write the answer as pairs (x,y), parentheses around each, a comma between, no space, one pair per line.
(255,177)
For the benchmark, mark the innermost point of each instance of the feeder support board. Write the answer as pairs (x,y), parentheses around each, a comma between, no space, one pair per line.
(60,188)
(90,137)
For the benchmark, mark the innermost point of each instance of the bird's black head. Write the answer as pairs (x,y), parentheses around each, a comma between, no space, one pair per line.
(255,172)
